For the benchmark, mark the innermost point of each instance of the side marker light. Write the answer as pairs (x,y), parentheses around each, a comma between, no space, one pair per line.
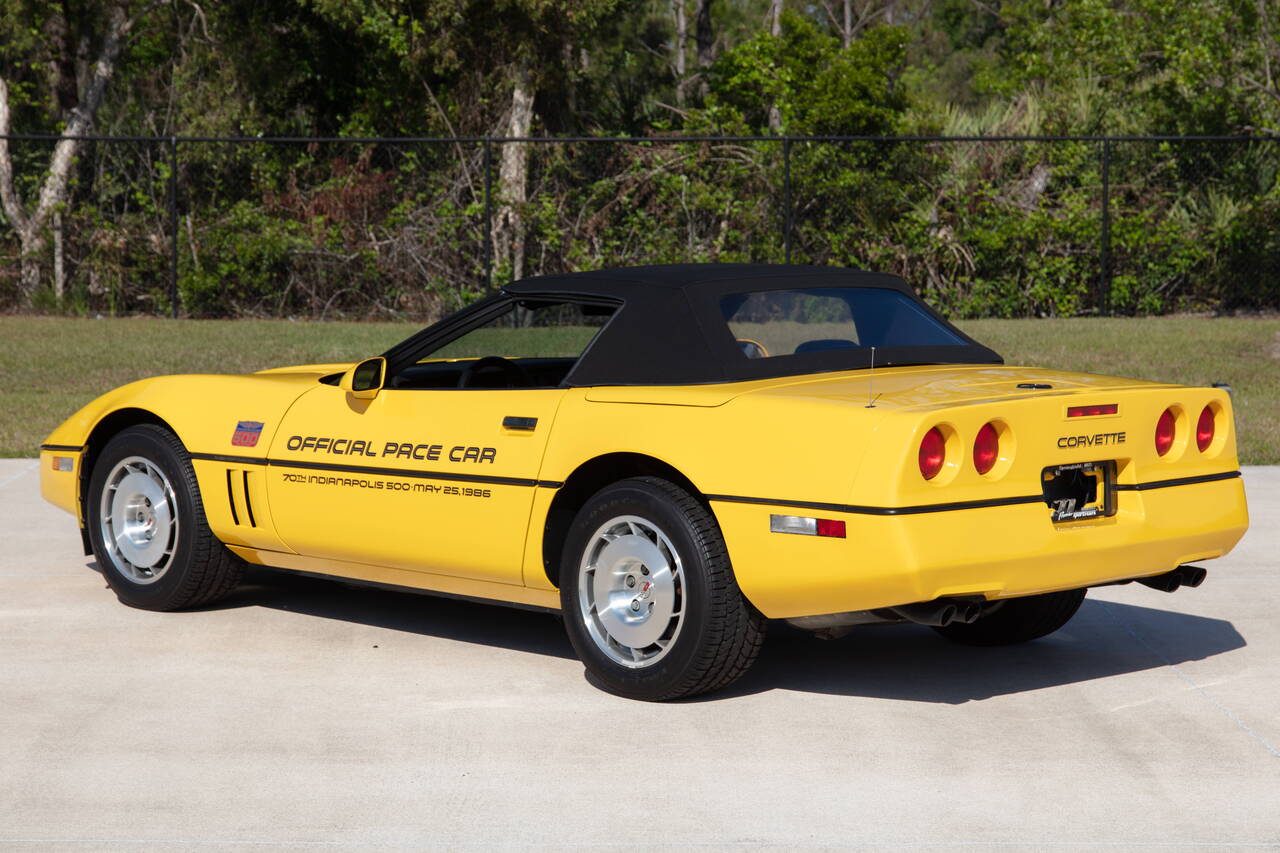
(806,526)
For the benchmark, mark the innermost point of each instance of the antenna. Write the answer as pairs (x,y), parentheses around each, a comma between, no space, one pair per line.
(871,381)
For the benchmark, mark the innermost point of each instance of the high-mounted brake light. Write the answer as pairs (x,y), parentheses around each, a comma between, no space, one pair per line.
(986,448)
(1204,429)
(1164,432)
(933,453)
(1091,411)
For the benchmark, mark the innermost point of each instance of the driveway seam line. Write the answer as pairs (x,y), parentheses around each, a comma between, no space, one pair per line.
(1230,715)
(20,474)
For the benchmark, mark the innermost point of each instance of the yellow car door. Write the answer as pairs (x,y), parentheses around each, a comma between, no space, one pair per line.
(436,481)
(433,467)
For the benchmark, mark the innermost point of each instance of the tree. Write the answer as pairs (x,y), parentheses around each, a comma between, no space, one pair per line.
(678,48)
(78,87)
(812,84)
(521,46)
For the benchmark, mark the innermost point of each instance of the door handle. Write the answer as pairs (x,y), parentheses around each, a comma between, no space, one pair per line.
(513,422)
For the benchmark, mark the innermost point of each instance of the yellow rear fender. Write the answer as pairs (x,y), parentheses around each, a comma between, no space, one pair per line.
(559,507)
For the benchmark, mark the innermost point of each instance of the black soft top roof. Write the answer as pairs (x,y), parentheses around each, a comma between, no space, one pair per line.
(670,329)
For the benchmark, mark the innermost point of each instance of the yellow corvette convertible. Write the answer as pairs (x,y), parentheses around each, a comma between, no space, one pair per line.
(671,457)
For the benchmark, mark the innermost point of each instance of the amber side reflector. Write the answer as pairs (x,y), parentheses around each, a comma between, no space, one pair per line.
(1091,411)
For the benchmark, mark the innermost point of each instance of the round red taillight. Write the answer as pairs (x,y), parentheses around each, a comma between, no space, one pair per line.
(1164,432)
(933,452)
(986,448)
(1204,429)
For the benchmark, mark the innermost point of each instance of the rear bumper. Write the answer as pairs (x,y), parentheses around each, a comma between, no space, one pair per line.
(996,552)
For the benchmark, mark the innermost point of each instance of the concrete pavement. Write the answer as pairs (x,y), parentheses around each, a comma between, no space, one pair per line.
(305,713)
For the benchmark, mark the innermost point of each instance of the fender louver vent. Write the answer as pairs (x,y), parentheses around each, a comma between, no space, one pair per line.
(238,498)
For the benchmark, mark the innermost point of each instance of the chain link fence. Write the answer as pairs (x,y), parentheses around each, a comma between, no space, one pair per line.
(321,228)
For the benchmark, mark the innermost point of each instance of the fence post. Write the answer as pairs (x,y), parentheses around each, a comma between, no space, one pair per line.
(1104,281)
(488,214)
(786,198)
(173,225)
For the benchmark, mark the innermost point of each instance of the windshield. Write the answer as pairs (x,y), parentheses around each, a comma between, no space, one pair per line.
(771,323)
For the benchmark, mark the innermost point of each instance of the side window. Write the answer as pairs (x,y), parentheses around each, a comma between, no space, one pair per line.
(532,344)
(770,323)
(783,322)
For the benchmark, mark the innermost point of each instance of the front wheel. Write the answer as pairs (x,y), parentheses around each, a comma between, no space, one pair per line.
(147,525)
(649,598)
(1017,620)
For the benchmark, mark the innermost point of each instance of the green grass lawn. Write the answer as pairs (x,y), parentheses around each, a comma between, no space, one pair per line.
(53,365)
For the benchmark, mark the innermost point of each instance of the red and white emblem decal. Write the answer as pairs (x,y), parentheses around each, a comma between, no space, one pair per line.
(247,434)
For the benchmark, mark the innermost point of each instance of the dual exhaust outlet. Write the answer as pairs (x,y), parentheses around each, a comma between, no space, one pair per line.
(943,611)
(947,611)
(940,612)
(1191,576)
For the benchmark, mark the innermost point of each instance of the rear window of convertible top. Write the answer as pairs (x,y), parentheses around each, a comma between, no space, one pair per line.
(771,323)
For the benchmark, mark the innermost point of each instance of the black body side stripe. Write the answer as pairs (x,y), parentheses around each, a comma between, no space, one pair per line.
(884,510)
(69,448)
(1177,481)
(234,460)
(402,472)
(918,509)
(960,505)
(380,472)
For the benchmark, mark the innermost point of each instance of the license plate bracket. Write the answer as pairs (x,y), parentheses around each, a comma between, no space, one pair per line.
(1080,490)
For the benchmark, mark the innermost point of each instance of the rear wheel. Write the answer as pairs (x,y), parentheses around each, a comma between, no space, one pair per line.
(1017,620)
(649,599)
(147,525)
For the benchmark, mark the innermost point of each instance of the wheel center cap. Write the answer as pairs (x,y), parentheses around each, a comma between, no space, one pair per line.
(635,616)
(141,520)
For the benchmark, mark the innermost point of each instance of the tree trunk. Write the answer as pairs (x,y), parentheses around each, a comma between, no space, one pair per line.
(53,192)
(513,172)
(678,49)
(846,32)
(706,41)
(59,269)
(32,247)
(775,30)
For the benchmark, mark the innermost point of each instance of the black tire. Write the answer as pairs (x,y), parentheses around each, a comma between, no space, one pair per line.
(1018,620)
(719,633)
(199,568)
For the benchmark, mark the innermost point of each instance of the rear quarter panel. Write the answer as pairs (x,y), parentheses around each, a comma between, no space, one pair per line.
(806,443)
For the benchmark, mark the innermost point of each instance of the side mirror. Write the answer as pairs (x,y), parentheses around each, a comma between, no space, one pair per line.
(364,380)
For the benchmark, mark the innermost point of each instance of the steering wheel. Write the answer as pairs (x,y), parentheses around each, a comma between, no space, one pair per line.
(516,376)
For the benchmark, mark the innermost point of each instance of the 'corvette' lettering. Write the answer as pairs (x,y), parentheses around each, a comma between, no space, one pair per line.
(421,451)
(1091,440)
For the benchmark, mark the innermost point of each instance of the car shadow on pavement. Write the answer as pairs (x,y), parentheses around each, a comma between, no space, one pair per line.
(914,663)
(427,615)
(907,662)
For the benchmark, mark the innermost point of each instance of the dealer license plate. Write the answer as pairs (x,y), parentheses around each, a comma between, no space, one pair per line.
(1080,490)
